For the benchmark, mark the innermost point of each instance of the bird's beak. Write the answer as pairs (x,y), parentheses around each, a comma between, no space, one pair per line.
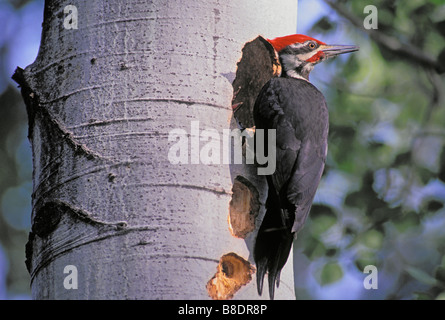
(335,50)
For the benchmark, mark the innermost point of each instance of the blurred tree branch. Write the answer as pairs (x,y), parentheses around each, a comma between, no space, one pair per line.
(403,49)
(437,96)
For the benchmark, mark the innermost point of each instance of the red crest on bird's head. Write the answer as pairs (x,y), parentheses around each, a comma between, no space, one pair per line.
(282,42)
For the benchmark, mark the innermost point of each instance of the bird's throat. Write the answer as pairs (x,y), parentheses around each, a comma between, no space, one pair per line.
(295,68)
(295,74)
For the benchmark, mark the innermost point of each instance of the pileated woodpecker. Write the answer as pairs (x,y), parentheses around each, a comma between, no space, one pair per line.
(294,107)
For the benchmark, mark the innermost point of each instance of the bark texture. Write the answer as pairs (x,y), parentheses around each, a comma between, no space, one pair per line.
(102,100)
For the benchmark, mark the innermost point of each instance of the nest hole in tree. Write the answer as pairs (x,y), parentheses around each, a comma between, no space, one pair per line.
(232,273)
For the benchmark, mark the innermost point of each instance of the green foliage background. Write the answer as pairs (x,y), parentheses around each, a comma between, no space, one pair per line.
(381,200)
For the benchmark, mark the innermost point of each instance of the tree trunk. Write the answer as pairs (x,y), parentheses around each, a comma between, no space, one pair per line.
(113,216)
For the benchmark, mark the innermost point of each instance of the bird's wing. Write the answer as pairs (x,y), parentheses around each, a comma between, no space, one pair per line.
(304,181)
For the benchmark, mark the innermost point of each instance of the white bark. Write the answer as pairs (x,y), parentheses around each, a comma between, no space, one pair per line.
(105,97)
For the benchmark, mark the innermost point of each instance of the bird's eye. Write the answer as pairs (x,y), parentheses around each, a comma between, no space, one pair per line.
(312,45)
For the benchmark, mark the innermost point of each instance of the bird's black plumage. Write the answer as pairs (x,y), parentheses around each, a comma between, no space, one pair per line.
(298,113)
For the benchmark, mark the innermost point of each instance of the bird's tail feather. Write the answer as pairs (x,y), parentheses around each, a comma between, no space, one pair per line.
(273,243)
